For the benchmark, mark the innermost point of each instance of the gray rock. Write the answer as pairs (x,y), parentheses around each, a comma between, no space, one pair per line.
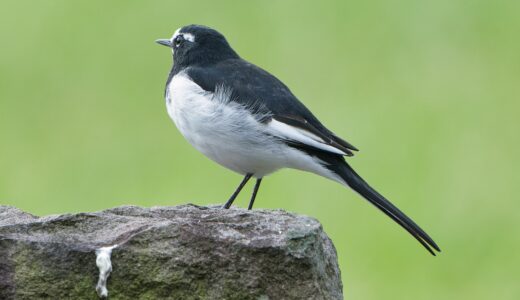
(183,252)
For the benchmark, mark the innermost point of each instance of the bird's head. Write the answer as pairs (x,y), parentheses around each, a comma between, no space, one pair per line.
(198,45)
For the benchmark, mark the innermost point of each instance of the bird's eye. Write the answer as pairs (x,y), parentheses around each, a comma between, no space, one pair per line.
(178,40)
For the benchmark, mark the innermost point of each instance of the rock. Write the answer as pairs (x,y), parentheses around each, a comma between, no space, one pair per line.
(183,252)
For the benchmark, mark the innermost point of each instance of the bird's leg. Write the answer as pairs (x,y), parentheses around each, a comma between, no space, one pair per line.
(255,190)
(237,191)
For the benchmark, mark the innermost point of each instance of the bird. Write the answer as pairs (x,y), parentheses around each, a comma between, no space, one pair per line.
(247,120)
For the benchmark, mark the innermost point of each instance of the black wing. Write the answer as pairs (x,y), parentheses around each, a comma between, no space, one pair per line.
(264,94)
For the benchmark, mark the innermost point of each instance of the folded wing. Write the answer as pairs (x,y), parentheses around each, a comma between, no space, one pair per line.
(300,132)
(265,95)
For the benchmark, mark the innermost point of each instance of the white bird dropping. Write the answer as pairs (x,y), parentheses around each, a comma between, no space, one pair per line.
(105,267)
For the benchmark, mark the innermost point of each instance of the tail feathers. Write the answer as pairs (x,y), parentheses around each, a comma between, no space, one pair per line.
(353,180)
(337,165)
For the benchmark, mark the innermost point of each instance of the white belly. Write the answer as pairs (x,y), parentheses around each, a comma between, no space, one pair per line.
(222,130)
(230,135)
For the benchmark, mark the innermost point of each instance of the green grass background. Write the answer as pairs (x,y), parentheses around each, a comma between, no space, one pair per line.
(428,90)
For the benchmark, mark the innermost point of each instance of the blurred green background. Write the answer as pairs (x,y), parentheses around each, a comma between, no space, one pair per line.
(428,90)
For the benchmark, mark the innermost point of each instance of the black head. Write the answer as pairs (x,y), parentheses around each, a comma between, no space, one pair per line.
(198,45)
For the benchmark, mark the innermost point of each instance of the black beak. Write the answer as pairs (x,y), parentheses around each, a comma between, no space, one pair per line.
(164,42)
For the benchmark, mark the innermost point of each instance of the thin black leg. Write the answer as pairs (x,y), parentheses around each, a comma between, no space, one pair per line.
(255,190)
(237,191)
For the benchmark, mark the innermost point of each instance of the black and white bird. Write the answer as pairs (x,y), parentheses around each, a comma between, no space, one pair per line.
(247,120)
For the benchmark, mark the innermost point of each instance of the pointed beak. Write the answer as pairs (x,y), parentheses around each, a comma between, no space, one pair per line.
(164,42)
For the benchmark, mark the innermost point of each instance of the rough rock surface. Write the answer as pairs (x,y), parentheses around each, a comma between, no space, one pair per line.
(183,252)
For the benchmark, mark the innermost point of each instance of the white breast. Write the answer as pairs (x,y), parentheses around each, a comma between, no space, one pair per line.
(222,130)
(228,133)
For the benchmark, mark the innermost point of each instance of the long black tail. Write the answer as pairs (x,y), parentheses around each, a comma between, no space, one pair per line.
(339,166)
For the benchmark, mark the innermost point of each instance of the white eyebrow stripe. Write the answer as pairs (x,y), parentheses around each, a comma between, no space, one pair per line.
(175,34)
(188,36)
